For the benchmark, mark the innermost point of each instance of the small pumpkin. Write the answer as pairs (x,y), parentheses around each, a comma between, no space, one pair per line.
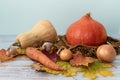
(86,31)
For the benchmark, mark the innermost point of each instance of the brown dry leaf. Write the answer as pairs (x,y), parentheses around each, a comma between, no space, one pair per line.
(79,59)
(4,57)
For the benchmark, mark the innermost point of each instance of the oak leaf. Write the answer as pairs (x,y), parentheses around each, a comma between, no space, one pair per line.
(4,57)
(79,59)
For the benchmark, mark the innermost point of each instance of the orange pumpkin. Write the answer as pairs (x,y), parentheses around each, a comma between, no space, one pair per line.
(86,31)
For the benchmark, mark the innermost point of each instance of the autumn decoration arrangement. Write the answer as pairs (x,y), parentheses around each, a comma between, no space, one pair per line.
(84,48)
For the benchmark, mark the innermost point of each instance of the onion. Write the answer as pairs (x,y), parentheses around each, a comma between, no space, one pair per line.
(106,53)
(65,54)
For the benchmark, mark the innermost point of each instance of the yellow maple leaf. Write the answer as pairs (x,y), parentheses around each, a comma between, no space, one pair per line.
(106,73)
(96,68)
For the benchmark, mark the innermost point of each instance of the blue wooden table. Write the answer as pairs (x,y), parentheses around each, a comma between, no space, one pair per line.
(19,68)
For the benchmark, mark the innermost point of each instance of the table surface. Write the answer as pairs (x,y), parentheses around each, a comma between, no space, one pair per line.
(19,68)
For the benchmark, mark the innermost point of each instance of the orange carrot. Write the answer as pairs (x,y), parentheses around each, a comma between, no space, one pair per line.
(36,55)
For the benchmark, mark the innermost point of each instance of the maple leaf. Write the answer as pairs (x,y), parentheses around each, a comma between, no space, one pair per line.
(96,68)
(69,70)
(79,59)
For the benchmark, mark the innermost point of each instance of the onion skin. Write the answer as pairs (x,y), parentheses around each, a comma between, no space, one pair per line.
(106,53)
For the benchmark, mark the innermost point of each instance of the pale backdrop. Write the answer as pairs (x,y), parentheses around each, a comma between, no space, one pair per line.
(17,16)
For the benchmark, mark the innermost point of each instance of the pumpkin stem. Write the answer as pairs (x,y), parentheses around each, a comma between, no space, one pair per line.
(88,14)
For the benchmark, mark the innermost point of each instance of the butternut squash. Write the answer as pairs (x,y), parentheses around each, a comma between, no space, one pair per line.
(41,31)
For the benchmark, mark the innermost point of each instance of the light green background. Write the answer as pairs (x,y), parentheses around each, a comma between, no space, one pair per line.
(17,16)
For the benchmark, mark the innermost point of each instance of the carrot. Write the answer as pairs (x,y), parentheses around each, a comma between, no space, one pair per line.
(36,55)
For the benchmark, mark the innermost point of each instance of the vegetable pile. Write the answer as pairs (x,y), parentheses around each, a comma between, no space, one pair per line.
(84,48)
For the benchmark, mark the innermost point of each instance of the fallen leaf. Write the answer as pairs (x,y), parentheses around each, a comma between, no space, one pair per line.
(97,68)
(69,70)
(53,55)
(20,51)
(79,59)
(4,57)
